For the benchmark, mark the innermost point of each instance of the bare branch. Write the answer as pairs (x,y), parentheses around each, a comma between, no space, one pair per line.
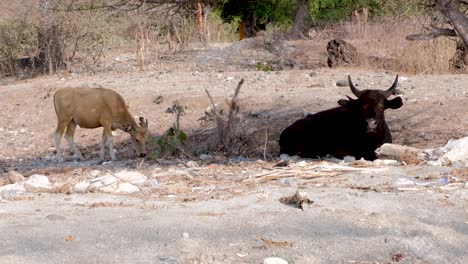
(434,33)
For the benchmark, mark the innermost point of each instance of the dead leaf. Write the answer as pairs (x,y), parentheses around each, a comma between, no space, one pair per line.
(298,199)
(271,243)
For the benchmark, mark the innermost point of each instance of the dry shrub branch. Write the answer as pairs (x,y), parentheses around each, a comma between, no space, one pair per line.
(228,131)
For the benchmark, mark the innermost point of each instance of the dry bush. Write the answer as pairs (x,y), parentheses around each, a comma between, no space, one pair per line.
(383,45)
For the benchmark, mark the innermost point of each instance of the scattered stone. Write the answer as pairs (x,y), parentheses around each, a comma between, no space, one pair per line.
(105,180)
(281,163)
(94,186)
(301,163)
(38,183)
(152,183)
(349,158)
(126,188)
(8,194)
(385,162)
(205,157)
(109,188)
(192,164)
(185,235)
(287,181)
(132,177)
(342,83)
(274,260)
(168,260)
(54,217)
(17,187)
(286,157)
(298,199)
(312,74)
(81,187)
(94,173)
(15,177)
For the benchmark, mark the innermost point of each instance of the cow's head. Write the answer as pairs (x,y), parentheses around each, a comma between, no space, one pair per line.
(371,105)
(139,136)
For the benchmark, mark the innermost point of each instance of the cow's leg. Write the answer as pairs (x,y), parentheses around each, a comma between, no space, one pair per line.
(103,147)
(107,140)
(69,135)
(61,126)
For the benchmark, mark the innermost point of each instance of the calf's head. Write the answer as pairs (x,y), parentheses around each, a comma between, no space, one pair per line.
(371,105)
(139,136)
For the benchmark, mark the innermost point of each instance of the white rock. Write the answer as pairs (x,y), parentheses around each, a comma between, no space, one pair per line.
(274,260)
(94,173)
(185,235)
(349,158)
(385,162)
(81,187)
(106,179)
(110,188)
(152,183)
(287,157)
(301,163)
(15,177)
(38,183)
(132,177)
(457,150)
(18,187)
(205,157)
(127,188)
(94,186)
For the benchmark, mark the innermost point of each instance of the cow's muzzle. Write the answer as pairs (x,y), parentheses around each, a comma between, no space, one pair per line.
(371,124)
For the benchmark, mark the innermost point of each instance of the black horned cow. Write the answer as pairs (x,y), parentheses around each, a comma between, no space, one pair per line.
(93,108)
(356,128)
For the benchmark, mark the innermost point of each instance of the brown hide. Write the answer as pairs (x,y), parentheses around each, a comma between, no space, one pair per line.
(93,108)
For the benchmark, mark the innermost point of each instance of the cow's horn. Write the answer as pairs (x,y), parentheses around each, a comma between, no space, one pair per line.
(391,90)
(355,91)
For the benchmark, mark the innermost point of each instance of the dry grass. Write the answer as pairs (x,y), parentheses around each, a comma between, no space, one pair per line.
(383,45)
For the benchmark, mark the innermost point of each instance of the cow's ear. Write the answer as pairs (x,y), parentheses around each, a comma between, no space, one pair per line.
(394,103)
(343,102)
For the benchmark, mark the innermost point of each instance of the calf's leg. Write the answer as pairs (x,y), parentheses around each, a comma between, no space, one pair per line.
(69,135)
(61,126)
(107,141)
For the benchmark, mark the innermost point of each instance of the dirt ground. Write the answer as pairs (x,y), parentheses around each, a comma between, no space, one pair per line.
(435,110)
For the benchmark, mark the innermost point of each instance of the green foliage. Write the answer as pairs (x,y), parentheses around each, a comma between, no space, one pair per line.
(172,141)
(263,67)
(266,11)
(335,10)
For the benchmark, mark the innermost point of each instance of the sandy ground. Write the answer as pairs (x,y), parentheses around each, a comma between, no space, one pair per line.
(358,217)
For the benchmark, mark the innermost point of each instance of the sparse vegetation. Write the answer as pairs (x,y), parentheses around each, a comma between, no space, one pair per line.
(78,35)
(172,141)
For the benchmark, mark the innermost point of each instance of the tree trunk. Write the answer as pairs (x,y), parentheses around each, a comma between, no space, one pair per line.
(302,12)
(451,10)
(250,26)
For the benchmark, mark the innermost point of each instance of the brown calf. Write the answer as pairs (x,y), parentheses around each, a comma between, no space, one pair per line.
(93,108)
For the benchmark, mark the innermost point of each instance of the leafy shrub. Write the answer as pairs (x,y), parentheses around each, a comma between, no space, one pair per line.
(172,141)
